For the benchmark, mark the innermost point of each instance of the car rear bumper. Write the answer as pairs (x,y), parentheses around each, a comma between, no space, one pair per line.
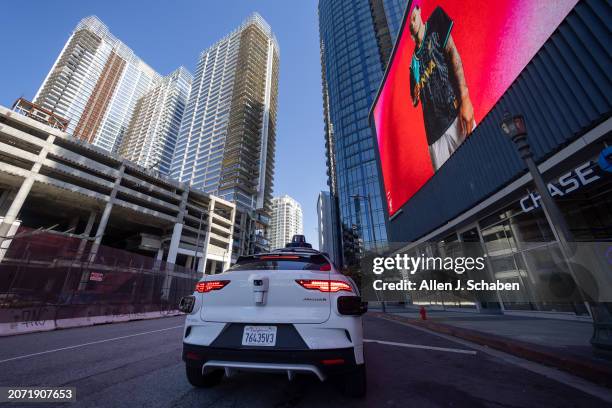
(321,362)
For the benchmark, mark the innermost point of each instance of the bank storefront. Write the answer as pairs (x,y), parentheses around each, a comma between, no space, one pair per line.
(511,230)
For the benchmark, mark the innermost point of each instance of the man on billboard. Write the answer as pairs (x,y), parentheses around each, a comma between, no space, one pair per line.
(438,81)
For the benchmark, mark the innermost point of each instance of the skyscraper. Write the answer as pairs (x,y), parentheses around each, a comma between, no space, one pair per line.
(95,83)
(151,134)
(327,226)
(356,39)
(227,139)
(287,220)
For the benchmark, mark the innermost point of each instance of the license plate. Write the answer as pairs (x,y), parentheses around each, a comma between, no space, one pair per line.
(259,336)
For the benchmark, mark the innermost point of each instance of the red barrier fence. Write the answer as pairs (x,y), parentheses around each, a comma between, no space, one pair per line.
(45,276)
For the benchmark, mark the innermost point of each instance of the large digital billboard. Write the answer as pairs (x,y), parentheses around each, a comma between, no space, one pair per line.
(451,63)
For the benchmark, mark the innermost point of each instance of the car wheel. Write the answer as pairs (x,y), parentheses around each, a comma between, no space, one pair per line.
(355,382)
(197,379)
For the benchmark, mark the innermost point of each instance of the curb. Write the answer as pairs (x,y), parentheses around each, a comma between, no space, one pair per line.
(17,328)
(596,372)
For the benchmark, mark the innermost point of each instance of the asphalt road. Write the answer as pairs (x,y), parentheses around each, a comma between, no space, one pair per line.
(139,364)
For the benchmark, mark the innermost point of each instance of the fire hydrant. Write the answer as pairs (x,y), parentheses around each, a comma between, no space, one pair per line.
(423,313)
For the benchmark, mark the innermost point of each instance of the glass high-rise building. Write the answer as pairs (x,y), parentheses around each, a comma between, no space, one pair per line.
(287,220)
(356,38)
(152,132)
(95,83)
(227,139)
(327,227)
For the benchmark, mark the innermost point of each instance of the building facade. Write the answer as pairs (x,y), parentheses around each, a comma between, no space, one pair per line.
(327,227)
(485,195)
(227,138)
(95,83)
(49,179)
(356,39)
(287,220)
(152,132)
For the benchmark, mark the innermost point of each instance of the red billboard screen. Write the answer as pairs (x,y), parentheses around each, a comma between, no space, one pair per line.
(452,61)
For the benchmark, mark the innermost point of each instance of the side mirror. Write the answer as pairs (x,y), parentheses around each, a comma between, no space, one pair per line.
(186,304)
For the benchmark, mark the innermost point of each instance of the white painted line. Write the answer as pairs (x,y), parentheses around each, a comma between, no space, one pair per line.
(419,346)
(87,344)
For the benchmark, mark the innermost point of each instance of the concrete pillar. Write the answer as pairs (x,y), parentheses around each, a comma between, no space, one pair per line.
(101,228)
(86,233)
(23,192)
(172,253)
(174,242)
(106,215)
(159,257)
(211,209)
(103,221)
(202,265)
(85,272)
(213,267)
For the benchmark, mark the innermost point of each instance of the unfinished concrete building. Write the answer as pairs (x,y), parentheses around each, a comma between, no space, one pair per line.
(51,180)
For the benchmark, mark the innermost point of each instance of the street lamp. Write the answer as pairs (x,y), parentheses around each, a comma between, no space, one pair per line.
(515,128)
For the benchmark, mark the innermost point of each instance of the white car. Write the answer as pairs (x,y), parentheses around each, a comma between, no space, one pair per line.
(286,311)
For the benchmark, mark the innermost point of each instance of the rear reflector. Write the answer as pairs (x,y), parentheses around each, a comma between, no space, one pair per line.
(334,361)
(203,287)
(325,285)
(192,356)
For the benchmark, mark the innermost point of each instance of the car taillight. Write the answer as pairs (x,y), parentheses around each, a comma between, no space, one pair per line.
(325,285)
(325,267)
(203,287)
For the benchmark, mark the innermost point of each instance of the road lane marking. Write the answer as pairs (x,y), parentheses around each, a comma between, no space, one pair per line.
(87,344)
(420,346)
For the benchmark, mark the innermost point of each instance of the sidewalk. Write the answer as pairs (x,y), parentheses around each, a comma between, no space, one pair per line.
(563,344)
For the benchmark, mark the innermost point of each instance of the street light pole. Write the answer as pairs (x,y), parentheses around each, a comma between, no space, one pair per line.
(515,128)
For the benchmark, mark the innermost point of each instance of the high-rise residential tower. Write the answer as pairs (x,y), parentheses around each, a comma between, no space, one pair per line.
(227,139)
(151,135)
(287,220)
(356,38)
(95,83)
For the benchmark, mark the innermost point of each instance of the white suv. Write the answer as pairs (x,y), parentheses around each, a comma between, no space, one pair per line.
(286,311)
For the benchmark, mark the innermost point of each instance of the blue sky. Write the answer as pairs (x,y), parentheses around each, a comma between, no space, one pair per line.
(166,34)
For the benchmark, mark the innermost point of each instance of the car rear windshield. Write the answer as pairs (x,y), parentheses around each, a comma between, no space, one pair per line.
(282,262)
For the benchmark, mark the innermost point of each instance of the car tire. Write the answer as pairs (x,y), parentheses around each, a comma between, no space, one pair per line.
(355,382)
(197,379)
